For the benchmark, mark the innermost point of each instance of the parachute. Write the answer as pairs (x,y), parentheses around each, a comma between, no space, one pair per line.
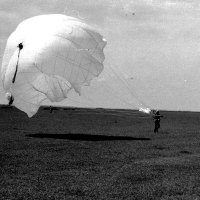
(46,57)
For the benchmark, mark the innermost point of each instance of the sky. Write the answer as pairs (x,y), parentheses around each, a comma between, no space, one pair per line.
(152,52)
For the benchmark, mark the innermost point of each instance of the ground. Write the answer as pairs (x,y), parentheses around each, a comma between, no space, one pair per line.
(75,153)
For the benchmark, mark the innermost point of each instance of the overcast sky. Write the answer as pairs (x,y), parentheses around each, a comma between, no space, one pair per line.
(153,45)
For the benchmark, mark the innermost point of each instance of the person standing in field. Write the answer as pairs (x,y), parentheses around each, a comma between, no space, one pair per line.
(156,118)
(50,109)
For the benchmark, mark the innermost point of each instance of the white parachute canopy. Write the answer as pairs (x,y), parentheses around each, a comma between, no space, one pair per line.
(47,56)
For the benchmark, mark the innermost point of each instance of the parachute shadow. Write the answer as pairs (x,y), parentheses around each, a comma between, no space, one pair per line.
(85,137)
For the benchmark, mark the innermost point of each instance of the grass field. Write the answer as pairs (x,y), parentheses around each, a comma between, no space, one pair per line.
(75,153)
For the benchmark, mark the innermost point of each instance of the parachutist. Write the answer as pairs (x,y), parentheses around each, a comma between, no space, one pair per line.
(157,117)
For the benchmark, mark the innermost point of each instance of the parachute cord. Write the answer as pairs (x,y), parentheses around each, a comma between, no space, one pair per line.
(109,91)
(20,46)
(115,94)
(131,92)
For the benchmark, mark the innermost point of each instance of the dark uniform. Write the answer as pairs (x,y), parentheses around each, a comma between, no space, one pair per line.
(157,117)
(10,100)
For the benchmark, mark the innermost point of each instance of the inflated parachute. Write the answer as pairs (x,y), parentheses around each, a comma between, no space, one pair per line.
(46,57)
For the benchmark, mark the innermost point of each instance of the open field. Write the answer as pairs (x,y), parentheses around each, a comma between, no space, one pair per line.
(75,153)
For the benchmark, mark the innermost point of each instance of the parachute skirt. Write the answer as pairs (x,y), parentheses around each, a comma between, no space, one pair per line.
(59,54)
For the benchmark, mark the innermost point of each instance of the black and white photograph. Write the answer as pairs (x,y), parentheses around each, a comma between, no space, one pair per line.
(100,100)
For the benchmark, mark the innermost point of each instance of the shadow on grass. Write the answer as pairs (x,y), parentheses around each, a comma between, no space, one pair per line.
(84,137)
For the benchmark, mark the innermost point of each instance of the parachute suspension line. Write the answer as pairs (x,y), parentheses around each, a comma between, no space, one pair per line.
(115,94)
(109,91)
(134,95)
(20,46)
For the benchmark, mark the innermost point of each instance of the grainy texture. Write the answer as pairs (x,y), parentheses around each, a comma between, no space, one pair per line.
(75,153)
